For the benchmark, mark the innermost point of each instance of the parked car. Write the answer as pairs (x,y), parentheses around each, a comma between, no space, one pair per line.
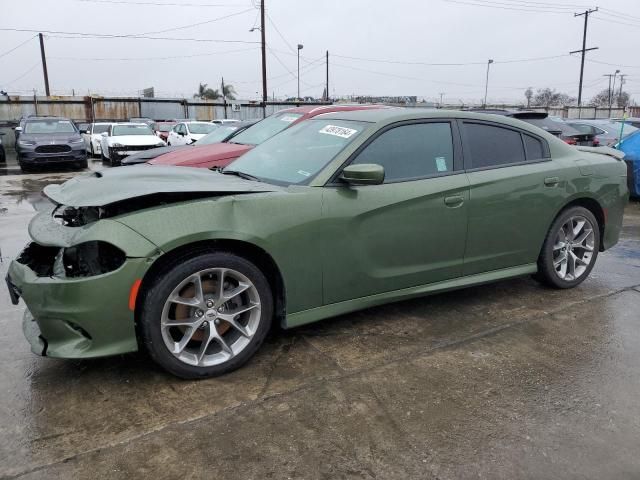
(222,121)
(145,120)
(162,129)
(82,126)
(606,132)
(630,146)
(3,154)
(124,139)
(555,127)
(49,140)
(341,212)
(221,134)
(221,154)
(633,121)
(93,136)
(186,133)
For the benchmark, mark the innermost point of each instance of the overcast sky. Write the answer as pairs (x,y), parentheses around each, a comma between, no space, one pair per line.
(427,31)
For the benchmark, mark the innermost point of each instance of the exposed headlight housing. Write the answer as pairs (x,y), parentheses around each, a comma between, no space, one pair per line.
(117,145)
(87,259)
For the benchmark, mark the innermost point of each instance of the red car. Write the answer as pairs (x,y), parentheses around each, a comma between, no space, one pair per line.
(162,129)
(221,154)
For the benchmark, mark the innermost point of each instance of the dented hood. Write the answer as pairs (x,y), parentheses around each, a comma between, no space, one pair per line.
(117,184)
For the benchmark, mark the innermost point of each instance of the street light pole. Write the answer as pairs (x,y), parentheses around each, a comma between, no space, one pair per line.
(300,47)
(486,84)
(613,89)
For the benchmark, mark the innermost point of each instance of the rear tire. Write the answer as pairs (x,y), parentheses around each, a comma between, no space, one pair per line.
(218,332)
(570,249)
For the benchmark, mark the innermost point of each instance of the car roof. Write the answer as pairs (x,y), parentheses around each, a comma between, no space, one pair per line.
(397,114)
(313,110)
(45,119)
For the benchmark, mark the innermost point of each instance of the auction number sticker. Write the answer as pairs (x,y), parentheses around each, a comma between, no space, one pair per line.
(342,132)
(289,118)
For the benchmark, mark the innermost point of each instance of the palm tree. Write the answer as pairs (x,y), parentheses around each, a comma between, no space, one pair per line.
(206,93)
(230,92)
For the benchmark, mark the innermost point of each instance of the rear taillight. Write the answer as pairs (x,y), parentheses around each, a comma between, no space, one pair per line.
(570,141)
(596,142)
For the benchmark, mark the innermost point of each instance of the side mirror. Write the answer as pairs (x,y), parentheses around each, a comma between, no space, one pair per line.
(18,129)
(88,132)
(363,174)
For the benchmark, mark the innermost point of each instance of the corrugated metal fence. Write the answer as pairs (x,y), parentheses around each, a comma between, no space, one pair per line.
(12,109)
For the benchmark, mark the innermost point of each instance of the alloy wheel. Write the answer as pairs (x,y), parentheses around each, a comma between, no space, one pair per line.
(573,248)
(210,317)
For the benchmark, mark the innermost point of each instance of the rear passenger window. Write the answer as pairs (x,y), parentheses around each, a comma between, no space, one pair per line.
(535,150)
(411,151)
(492,146)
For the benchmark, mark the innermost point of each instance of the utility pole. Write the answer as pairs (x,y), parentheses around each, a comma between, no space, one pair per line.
(264,60)
(300,47)
(327,85)
(613,90)
(621,83)
(224,99)
(442,95)
(486,84)
(44,65)
(610,75)
(583,50)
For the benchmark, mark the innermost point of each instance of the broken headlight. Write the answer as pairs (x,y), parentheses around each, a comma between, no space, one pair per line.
(87,259)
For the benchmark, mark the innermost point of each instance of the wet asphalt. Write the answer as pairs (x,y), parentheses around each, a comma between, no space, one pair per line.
(503,381)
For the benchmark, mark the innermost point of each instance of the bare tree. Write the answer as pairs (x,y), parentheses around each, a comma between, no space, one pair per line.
(528,93)
(546,97)
(602,99)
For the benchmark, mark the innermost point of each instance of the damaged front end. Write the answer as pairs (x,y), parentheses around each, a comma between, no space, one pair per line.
(80,274)
(75,277)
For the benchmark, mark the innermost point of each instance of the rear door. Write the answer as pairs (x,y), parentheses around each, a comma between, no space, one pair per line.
(408,231)
(515,188)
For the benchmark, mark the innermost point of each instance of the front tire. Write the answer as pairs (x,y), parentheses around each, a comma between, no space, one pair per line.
(206,315)
(570,249)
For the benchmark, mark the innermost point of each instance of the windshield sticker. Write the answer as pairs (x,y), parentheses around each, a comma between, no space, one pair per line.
(288,118)
(342,132)
(303,173)
(441,164)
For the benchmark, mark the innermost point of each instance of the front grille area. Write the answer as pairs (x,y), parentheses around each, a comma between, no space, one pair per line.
(53,149)
(134,148)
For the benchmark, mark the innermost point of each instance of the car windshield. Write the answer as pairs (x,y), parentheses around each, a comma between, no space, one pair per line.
(582,128)
(100,128)
(119,130)
(297,154)
(218,135)
(202,128)
(546,124)
(49,126)
(266,128)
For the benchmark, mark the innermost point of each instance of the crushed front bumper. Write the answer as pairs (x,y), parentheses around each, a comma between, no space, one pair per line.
(78,317)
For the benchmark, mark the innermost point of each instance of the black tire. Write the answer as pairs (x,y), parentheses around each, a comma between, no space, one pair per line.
(25,168)
(546,271)
(167,279)
(82,164)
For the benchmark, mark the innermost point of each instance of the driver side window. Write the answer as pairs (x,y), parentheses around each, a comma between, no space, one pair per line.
(410,152)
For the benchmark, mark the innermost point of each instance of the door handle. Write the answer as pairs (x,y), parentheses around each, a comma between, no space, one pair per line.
(551,181)
(453,201)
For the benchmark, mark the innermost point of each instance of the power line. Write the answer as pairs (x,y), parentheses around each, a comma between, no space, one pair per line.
(199,23)
(32,68)
(400,62)
(280,33)
(18,46)
(111,36)
(505,6)
(162,4)
(136,59)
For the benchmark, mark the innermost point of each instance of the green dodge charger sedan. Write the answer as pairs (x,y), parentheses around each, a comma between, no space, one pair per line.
(342,212)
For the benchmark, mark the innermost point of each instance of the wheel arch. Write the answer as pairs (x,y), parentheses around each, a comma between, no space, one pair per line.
(590,204)
(258,256)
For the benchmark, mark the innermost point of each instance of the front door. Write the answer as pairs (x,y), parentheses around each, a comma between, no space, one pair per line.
(408,231)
